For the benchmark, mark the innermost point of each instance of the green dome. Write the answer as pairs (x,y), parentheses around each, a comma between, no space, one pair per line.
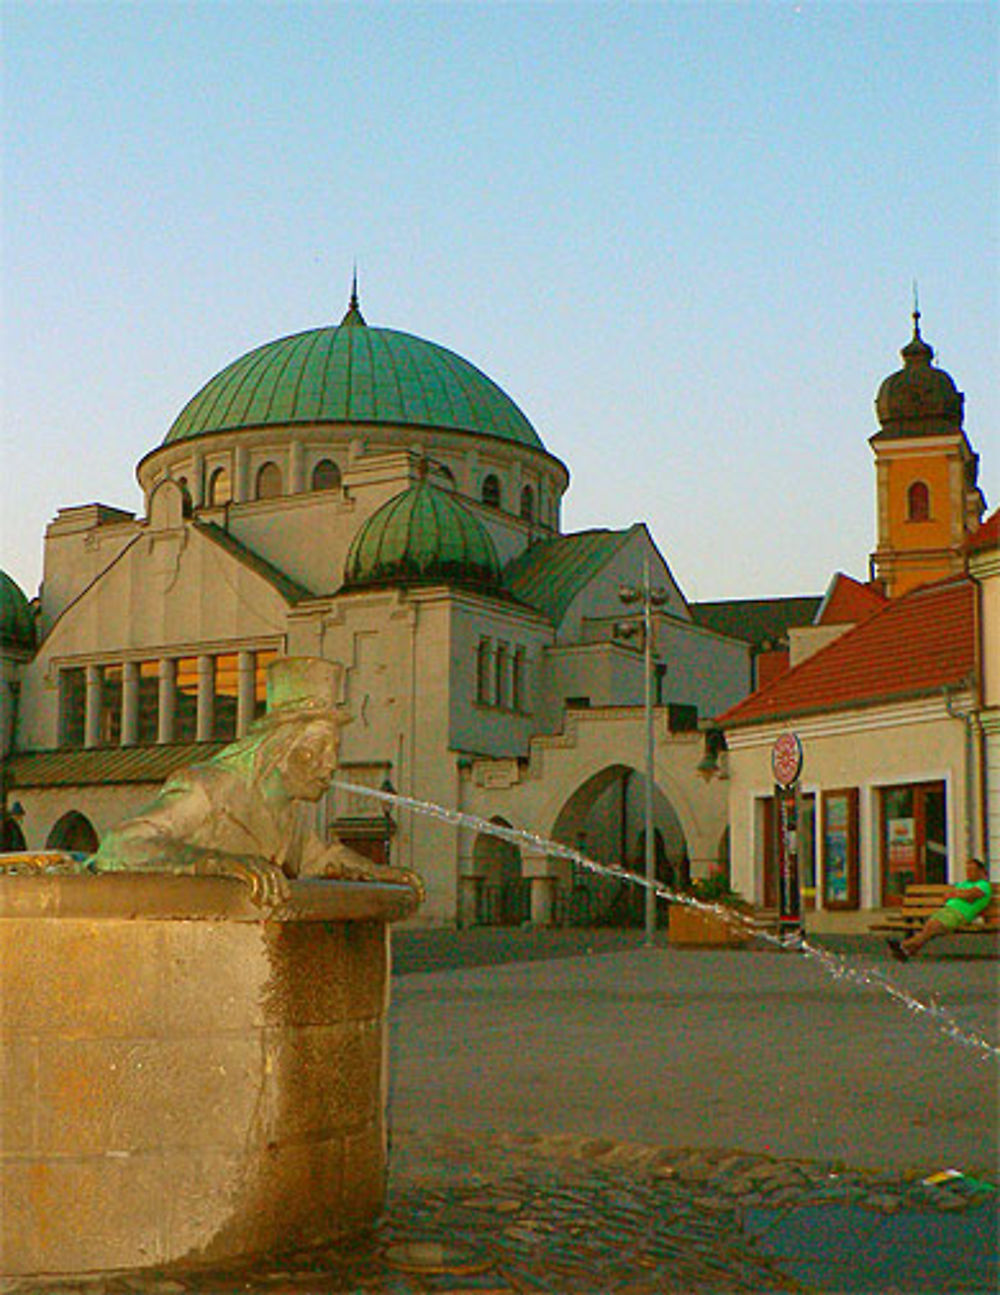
(422,536)
(919,399)
(17,624)
(353,374)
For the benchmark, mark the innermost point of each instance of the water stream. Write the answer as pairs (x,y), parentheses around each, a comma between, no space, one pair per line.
(836,966)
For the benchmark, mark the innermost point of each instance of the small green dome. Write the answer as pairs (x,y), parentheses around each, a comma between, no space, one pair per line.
(423,536)
(353,374)
(919,399)
(17,624)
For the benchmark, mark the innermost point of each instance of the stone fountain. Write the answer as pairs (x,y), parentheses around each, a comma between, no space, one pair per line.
(193,1022)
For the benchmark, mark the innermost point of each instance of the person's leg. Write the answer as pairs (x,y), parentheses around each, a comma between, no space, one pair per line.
(930,930)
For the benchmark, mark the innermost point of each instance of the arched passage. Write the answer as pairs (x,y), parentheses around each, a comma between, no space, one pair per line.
(604,819)
(73,832)
(503,896)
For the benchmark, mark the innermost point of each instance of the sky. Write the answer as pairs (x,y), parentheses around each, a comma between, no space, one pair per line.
(682,237)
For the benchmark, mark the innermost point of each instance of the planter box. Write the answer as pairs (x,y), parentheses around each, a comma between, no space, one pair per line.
(700,928)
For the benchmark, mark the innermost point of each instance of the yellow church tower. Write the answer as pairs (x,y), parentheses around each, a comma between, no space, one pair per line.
(926,473)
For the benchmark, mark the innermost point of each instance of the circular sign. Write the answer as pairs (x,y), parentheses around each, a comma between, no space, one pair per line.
(786,759)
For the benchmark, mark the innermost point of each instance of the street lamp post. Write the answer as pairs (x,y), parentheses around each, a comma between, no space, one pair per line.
(649,597)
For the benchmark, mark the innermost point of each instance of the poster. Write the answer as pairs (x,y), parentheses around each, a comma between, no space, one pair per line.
(836,846)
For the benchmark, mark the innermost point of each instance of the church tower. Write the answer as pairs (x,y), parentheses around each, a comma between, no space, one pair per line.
(927,496)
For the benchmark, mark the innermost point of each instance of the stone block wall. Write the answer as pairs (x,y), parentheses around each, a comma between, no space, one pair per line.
(182,1079)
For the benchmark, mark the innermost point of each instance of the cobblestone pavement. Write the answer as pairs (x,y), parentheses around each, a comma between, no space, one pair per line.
(565,1215)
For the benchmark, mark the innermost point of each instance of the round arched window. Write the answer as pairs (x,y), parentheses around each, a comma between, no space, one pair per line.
(918,502)
(491,491)
(326,475)
(268,481)
(220,488)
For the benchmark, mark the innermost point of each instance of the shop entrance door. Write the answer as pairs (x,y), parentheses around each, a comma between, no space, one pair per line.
(914,838)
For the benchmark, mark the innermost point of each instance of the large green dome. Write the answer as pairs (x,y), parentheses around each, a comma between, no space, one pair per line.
(423,536)
(351,373)
(17,624)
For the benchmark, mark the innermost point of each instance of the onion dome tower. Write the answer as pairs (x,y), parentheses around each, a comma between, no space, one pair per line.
(927,496)
(423,536)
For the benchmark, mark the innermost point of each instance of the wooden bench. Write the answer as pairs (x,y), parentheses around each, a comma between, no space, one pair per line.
(920,901)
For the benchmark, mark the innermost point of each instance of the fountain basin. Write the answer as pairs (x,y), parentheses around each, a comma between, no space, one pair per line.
(186,1079)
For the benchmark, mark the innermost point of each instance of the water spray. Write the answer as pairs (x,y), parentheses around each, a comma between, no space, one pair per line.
(836,966)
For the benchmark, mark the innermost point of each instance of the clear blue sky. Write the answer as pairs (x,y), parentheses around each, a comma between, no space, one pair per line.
(681,237)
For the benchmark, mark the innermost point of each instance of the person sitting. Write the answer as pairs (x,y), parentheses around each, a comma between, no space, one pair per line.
(964,904)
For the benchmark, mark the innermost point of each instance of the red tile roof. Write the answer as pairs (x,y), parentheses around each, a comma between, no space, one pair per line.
(917,644)
(988,534)
(848,601)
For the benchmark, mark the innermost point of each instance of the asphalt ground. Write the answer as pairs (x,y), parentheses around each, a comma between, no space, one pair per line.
(754,1049)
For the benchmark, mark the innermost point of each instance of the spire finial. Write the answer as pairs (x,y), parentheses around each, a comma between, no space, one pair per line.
(354,315)
(916,310)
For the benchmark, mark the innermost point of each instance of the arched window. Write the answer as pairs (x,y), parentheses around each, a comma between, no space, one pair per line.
(326,475)
(11,836)
(918,502)
(528,504)
(186,496)
(268,482)
(491,491)
(220,488)
(73,832)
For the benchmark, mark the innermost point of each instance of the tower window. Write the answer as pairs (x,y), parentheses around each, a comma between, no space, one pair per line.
(528,504)
(918,502)
(491,491)
(269,481)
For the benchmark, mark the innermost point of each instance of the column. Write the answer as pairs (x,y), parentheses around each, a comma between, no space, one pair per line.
(198,480)
(295,484)
(167,694)
(241,462)
(130,703)
(245,694)
(539,869)
(206,698)
(543,891)
(92,721)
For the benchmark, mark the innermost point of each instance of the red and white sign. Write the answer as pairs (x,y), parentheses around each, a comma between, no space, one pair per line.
(786,759)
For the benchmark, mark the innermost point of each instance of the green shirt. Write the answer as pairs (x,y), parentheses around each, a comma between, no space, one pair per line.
(971,908)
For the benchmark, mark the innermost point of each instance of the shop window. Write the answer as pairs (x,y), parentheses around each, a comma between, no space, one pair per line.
(268,484)
(326,475)
(528,504)
(220,488)
(840,849)
(491,491)
(72,706)
(918,502)
(805,839)
(914,834)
